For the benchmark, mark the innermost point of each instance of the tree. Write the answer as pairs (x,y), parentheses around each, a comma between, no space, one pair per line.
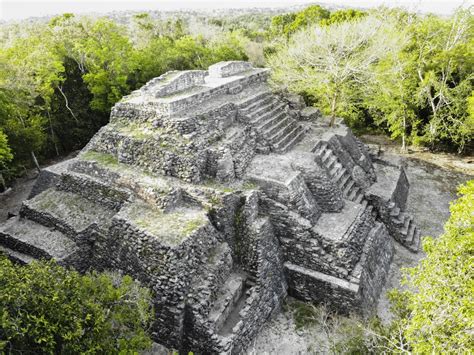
(329,62)
(108,63)
(343,16)
(444,66)
(5,156)
(390,98)
(45,308)
(440,318)
(287,24)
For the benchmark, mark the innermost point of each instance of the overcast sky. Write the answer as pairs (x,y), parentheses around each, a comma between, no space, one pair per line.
(19,9)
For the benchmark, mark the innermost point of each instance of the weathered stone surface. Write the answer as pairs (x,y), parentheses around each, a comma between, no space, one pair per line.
(223,198)
(226,69)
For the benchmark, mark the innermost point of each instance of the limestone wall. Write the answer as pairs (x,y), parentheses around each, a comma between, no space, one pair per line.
(225,69)
(174,82)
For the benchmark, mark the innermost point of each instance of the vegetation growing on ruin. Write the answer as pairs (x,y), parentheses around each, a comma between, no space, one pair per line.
(105,159)
(405,74)
(168,227)
(46,309)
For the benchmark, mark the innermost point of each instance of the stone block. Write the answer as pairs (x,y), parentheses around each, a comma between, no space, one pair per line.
(225,69)
(174,82)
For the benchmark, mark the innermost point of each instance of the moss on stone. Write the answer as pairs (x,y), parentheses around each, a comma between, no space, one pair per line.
(105,159)
(171,227)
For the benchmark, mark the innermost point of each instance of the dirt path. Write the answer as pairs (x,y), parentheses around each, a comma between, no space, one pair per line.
(10,200)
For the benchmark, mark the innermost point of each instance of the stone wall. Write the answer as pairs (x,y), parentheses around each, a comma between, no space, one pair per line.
(225,69)
(374,266)
(327,192)
(174,82)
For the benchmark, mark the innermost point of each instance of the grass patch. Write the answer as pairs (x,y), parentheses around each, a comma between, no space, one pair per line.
(101,158)
(172,227)
(139,130)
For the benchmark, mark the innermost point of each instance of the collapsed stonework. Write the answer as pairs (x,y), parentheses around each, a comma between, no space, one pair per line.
(223,198)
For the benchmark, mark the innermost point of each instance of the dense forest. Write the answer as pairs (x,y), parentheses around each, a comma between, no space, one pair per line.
(407,75)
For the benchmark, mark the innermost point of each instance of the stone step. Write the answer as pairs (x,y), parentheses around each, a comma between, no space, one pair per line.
(348,188)
(283,131)
(228,297)
(342,172)
(353,193)
(288,141)
(406,224)
(395,212)
(265,122)
(67,212)
(331,161)
(319,146)
(265,111)
(336,170)
(400,220)
(326,155)
(256,101)
(294,141)
(262,109)
(360,196)
(416,244)
(30,238)
(410,236)
(269,132)
(16,256)
(344,180)
(408,228)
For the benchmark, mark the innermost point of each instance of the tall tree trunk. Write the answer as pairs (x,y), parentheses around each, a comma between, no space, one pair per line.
(404,147)
(53,135)
(2,182)
(333,110)
(35,161)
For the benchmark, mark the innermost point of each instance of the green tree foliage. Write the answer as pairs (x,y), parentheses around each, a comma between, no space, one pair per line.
(333,62)
(45,308)
(58,80)
(409,75)
(440,316)
(343,16)
(5,151)
(288,24)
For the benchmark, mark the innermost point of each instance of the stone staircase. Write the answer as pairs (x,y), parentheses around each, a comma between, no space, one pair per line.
(230,300)
(341,176)
(402,227)
(269,117)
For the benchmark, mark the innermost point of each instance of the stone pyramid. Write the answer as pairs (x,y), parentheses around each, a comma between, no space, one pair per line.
(223,197)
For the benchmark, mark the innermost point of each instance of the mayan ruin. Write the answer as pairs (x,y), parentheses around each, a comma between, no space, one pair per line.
(223,197)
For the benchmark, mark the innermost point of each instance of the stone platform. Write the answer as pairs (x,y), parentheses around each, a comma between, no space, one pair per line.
(223,197)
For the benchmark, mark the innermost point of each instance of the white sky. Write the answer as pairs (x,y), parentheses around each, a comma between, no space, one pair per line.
(20,9)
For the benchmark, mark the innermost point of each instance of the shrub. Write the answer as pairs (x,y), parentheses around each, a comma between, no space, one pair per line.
(45,308)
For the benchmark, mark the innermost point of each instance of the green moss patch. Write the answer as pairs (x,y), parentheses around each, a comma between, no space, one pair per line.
(171,228)
(105,159)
